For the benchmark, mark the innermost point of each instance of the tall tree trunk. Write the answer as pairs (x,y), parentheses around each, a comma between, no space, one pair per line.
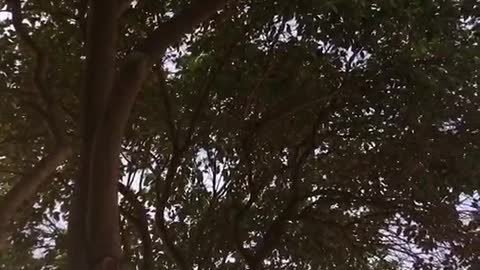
(100,69)
(94,232)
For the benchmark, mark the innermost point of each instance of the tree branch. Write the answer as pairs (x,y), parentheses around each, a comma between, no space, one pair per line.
(30,181)
(184,22)
(55,123)
(202,100)
(28,186)
(273,234)
(277,227)
(169,119)
(177,256)
(139,219)
(162,199)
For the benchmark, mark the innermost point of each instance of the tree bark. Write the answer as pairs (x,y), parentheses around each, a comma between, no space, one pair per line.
(100,71)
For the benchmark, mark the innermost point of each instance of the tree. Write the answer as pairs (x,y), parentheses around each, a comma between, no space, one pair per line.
(240,134)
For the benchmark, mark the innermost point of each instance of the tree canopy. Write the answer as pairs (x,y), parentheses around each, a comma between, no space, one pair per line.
(264,134)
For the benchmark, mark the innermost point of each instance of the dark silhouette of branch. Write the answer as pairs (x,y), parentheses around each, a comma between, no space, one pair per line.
(198,233)
(40,71)
(162,198)
(182,23)
(272,236)
(140,221)
(169,113)
(27,187)
(164,192)
(30,181)
(202,100)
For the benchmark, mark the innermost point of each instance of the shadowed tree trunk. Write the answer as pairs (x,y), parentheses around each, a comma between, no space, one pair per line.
(94,234)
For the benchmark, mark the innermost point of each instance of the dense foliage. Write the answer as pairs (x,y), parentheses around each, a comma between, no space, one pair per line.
(279,135)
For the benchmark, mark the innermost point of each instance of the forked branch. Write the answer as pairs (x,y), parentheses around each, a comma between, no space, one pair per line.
(30,181)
